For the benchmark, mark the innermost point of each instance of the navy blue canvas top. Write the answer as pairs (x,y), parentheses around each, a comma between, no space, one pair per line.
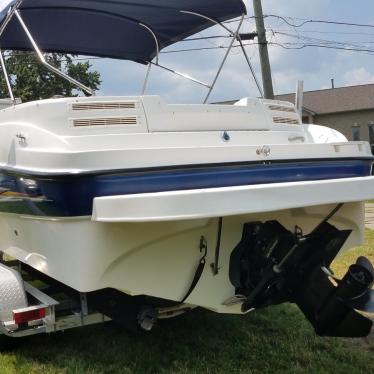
(110,28)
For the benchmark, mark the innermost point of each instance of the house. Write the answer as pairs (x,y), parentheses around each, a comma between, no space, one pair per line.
(350,110)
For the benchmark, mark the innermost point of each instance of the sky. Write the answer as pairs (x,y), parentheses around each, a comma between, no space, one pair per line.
(315,66)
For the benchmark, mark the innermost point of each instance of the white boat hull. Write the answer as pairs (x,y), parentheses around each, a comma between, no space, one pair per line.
(154,258)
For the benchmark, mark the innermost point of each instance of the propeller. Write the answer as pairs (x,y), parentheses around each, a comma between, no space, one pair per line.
(356,286)
(364,262)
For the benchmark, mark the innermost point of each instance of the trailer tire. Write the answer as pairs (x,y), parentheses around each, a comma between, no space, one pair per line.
(9,344)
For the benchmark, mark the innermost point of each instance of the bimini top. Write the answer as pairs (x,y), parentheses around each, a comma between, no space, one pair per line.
(111,28)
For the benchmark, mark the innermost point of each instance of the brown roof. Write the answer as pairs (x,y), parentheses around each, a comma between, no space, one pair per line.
(342,99)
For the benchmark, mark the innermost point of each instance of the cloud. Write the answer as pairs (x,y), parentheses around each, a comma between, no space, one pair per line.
(358,76)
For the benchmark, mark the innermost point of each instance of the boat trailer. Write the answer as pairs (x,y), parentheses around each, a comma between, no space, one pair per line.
(31,303)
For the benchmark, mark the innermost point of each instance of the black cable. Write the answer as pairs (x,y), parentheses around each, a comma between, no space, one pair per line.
(306,21)
(329,216)
(328,32)
(214,266)
(317,21)
(371,51)
(322,41)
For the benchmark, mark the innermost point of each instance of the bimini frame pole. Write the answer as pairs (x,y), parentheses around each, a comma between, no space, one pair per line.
(45,63)
(183,75)
(238,38)
(149,68)
(260,90)
(156,63)
(6,76)
(145,84)
(224,60)
(8,17)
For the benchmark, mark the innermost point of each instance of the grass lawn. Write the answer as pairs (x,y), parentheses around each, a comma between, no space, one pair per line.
(275,340)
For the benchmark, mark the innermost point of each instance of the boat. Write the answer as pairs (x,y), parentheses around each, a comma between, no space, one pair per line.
(147,209)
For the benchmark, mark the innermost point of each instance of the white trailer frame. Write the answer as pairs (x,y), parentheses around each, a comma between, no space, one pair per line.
(52,322)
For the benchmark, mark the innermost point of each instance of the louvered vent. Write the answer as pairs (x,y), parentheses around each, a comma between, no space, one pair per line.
(280,108)
(104,105)
(110,121)
(285,120)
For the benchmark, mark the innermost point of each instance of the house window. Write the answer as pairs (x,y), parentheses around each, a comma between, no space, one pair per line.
(356,133)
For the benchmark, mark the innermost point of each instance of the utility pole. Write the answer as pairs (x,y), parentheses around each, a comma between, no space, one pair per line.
(263,50)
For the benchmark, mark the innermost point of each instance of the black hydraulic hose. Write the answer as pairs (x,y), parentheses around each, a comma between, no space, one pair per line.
(218,247)
(332,213)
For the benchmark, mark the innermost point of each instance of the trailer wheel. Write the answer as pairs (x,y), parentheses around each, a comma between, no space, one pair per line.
(9,344)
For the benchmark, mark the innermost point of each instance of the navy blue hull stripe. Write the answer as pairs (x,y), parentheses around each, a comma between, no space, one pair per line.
(73,196)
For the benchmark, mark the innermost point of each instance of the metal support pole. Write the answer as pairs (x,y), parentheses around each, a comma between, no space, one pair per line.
(146,78)
(6,76)
(224,60)
(156,63)
(209,19)
(3,26)
(239,40)
(157,56)
(46,64)
(250,66)
(263,50)
(181,74)
(155,39)
(9,16)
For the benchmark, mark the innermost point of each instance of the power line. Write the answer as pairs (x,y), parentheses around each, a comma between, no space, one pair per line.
(325,41)
(331,32)
(307,21)
(317,21)
(302,46)
(284,45)
(163,52)
(307,41)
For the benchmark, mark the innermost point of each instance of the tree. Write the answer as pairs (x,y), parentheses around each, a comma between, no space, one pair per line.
(32,81)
